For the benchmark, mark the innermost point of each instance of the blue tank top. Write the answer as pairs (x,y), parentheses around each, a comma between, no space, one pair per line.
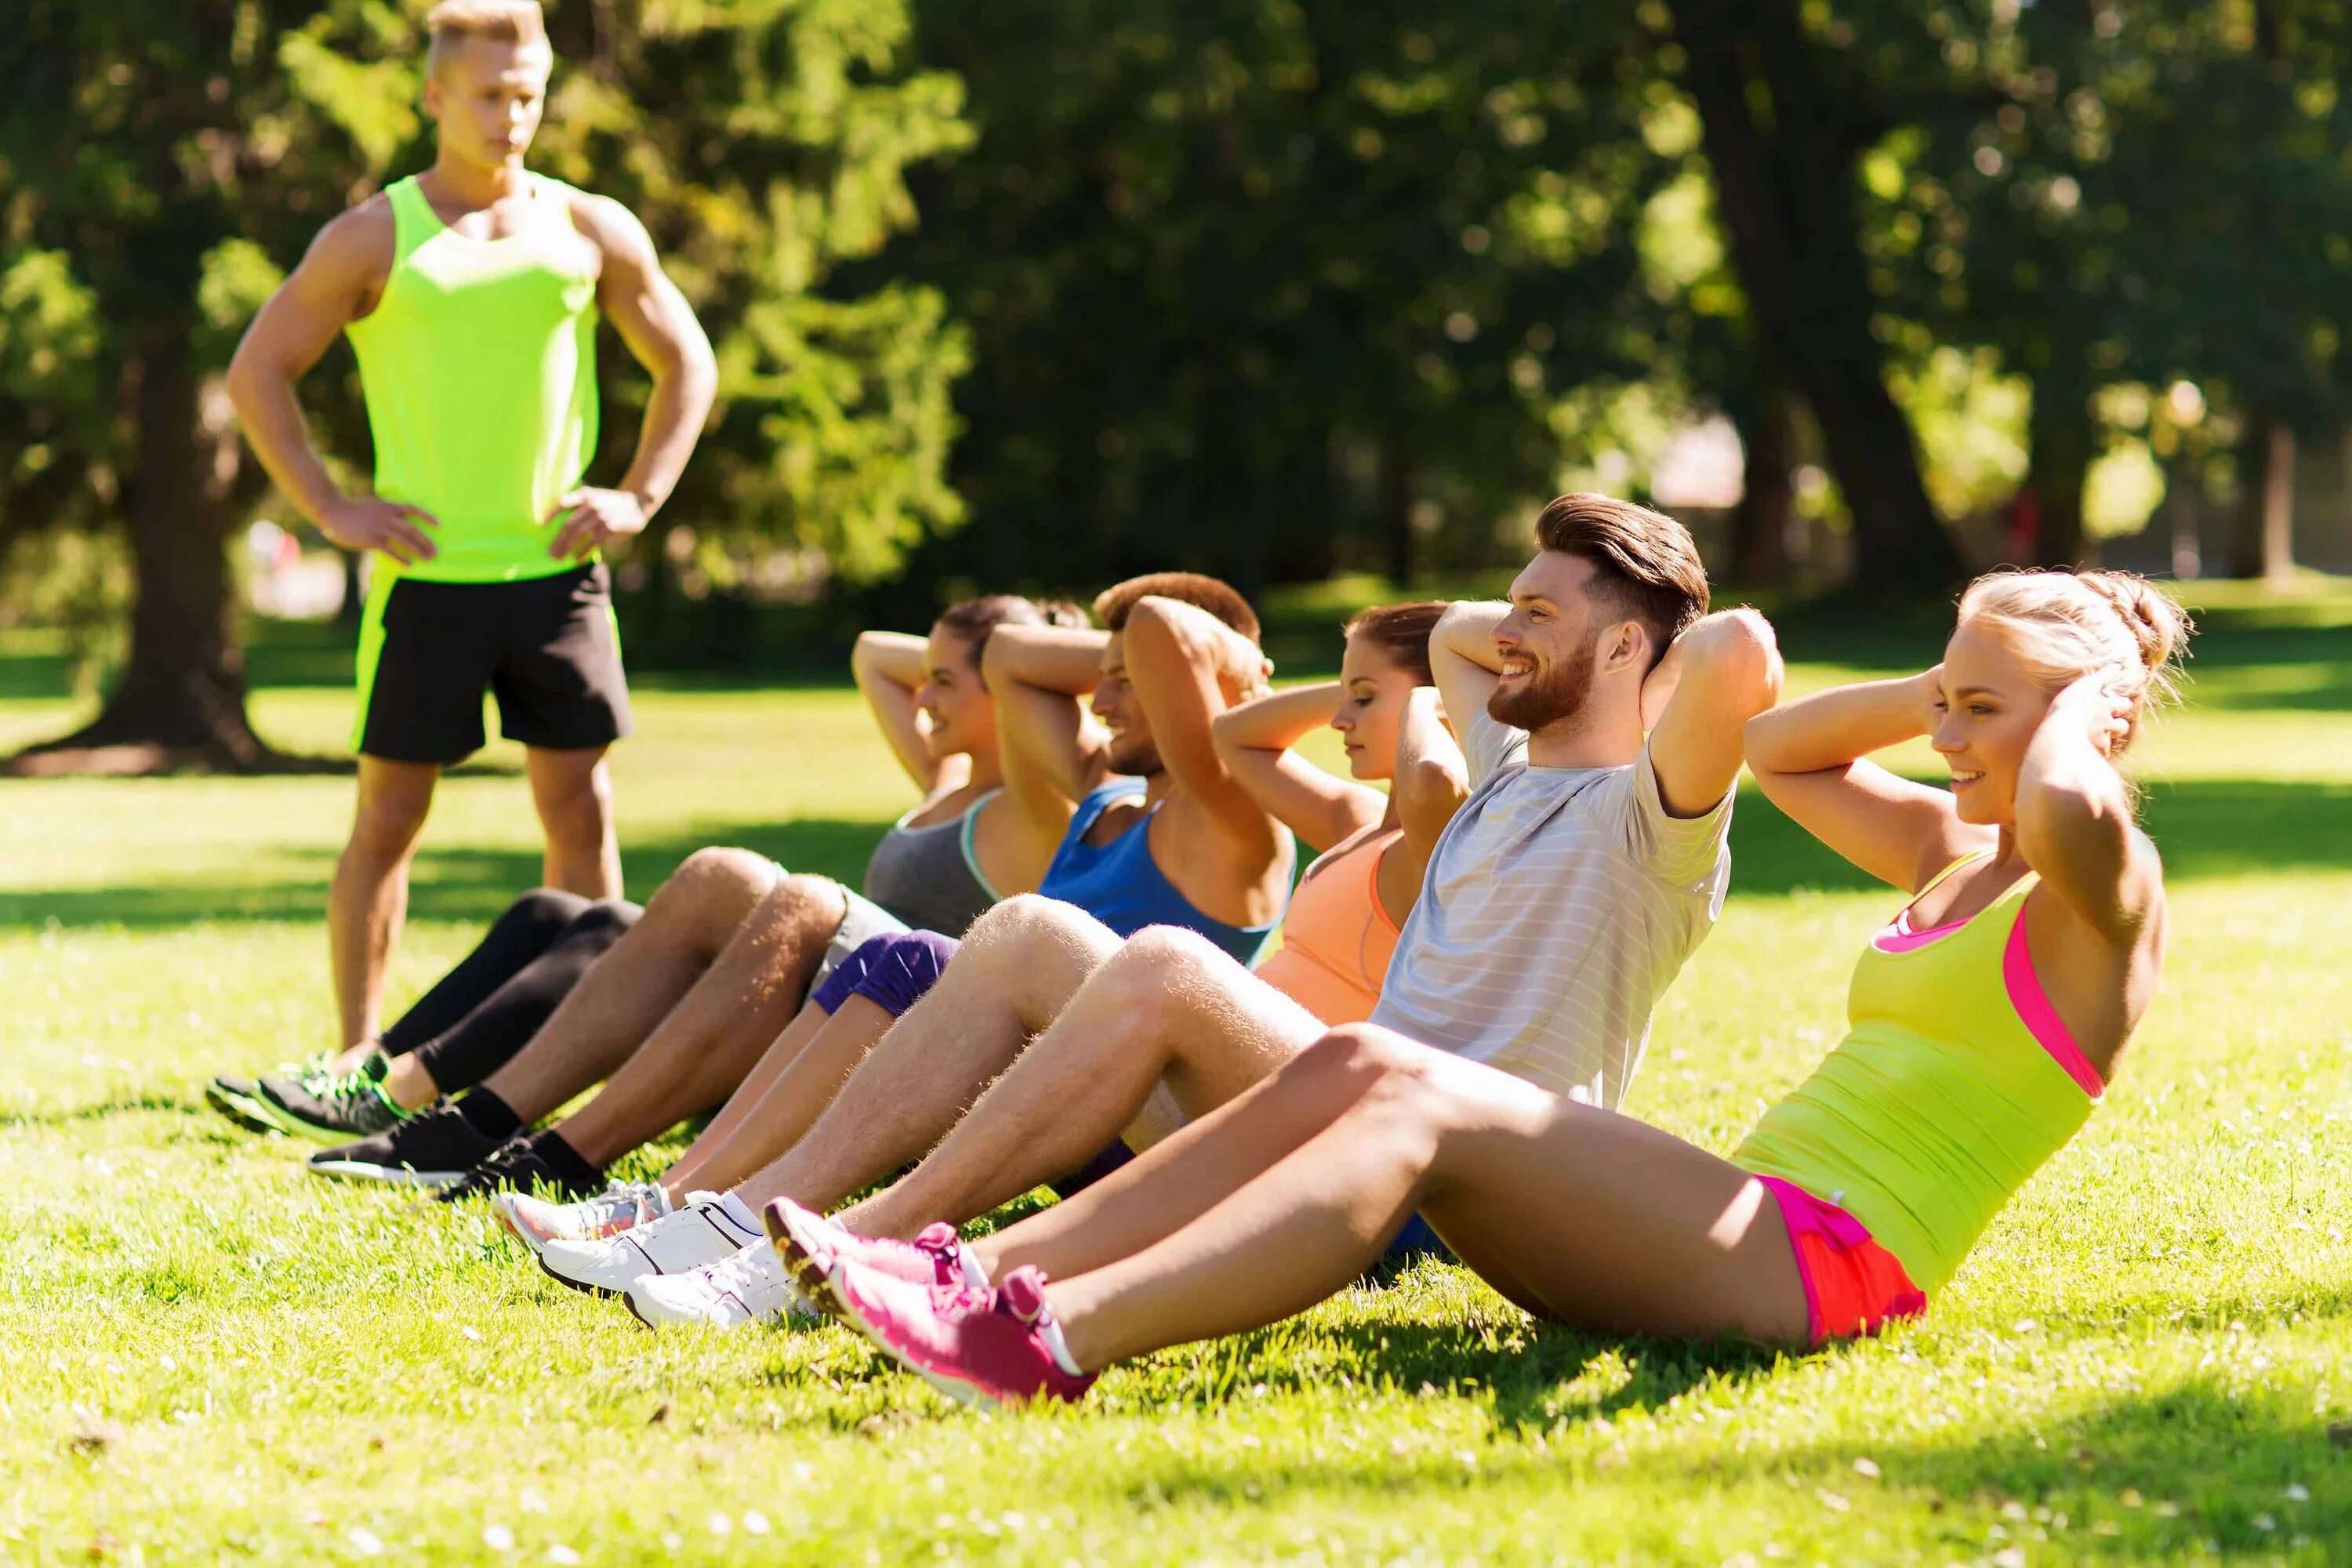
(1120,885)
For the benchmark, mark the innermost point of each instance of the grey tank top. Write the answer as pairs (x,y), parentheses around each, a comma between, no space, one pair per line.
(930,877)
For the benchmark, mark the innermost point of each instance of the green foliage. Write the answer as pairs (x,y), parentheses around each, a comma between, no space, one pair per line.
(1254,283)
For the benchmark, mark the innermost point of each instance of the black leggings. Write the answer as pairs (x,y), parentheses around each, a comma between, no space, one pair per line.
(485,1009)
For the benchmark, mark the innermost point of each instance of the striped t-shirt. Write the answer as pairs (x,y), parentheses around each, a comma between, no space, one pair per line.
(1558,906)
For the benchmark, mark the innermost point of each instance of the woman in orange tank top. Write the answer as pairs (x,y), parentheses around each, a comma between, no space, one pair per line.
(1343,921)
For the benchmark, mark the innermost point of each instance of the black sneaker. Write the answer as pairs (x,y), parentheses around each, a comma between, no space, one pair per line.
(522,1166)
(239,1099)
(431,1149)
(335,1109)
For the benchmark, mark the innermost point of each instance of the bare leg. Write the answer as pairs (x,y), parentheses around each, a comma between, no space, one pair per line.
(1168,1007)
(736,1116)
(369,899)
(794,1098)
(574,793)
(626,993)
(1598,1219)
(698,1055)
(1018,966)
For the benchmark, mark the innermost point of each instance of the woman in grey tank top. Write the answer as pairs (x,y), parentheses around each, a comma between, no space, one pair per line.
(936,868)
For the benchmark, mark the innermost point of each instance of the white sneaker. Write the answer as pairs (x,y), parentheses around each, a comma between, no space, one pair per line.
(750,1287)
(623,1205)
(710,1228)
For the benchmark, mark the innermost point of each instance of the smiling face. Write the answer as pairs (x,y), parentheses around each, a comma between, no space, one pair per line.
(1549,643)
(1372,695)
(962,719)
(486,98)
(1991,705)
(1131,750)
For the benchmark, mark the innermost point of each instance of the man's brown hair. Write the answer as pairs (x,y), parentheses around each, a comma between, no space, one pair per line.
(453,22)
(1644,562)
(1222,600)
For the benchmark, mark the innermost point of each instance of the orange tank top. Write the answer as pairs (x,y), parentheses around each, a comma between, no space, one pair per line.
(1336,939)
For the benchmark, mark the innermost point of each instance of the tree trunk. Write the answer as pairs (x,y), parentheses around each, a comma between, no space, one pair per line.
(2059,463)
(1396,509)
(1759,527)
(181,701)
(1783,155)
(2262,541)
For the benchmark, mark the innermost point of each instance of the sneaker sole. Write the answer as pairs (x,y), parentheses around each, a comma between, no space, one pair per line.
(583,1286)
(248,1114)
(811,1278)
(969,1395)
(383,1175)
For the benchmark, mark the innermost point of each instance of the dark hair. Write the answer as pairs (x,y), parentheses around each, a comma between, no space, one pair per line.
(1401,633)
(1644,562)
(974,619)
(1113,604)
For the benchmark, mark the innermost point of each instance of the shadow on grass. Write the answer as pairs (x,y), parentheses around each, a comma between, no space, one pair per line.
(452,884)
(2197,1463)
(2207,828)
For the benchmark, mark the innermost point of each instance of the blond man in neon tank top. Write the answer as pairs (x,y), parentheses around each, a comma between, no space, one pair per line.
(471,293)
(1985,1022)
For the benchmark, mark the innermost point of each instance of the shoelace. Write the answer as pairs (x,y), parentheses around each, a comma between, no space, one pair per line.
(745,1274)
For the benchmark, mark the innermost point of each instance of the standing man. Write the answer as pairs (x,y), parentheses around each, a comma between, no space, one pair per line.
(471,293)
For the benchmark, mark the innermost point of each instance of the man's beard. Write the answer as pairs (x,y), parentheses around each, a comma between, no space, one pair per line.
(1549,695)
(1133,756)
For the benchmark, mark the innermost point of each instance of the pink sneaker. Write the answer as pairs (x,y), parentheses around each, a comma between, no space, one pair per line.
(810,1244)
(980,1347)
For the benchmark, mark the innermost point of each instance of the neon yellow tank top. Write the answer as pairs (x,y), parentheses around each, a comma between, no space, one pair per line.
(479,367)
(1941,1100)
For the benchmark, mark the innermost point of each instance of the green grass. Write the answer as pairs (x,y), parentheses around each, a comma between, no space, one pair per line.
(210,1356)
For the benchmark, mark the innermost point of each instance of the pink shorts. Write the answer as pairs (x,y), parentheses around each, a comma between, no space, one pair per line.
(1852,1284)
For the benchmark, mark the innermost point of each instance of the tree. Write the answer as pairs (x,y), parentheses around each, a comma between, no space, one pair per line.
(1788,117)
(764,143)
(1255,286)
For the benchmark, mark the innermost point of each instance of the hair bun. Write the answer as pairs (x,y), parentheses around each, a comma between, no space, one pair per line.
(2160,627)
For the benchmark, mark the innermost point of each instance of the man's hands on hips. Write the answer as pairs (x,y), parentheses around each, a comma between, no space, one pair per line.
(596,517)
(370,523)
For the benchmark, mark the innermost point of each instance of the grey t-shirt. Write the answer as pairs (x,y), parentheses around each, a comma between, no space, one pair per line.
(1558,906)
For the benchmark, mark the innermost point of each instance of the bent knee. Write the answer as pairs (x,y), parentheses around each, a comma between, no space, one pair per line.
(1025,917)
(1366,1051)
(719,871)
(1167,962)
(547,908)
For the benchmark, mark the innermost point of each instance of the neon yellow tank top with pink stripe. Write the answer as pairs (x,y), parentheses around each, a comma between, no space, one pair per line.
(1955,1081)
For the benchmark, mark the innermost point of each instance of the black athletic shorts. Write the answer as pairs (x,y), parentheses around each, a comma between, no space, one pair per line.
(546,645)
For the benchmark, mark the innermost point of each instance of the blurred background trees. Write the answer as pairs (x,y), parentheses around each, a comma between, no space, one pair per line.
(1873,291)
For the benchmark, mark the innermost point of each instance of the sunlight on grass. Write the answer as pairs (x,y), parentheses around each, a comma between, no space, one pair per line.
(213,1356)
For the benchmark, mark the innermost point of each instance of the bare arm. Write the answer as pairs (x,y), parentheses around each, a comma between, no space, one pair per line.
(659,326)
(887,667)
(2074,819)
(1431,778)
(1255,739)
(1461,654)
(1810,756)
(1037,675)
(1718,675)
(1188,667)
(338,281)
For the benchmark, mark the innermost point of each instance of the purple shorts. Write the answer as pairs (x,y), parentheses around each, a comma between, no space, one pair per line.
(892,972)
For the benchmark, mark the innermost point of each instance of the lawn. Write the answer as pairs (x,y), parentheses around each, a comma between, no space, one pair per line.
(212,1356)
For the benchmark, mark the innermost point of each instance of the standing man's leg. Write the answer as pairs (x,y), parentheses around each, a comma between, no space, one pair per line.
(572,791)
(369,897)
